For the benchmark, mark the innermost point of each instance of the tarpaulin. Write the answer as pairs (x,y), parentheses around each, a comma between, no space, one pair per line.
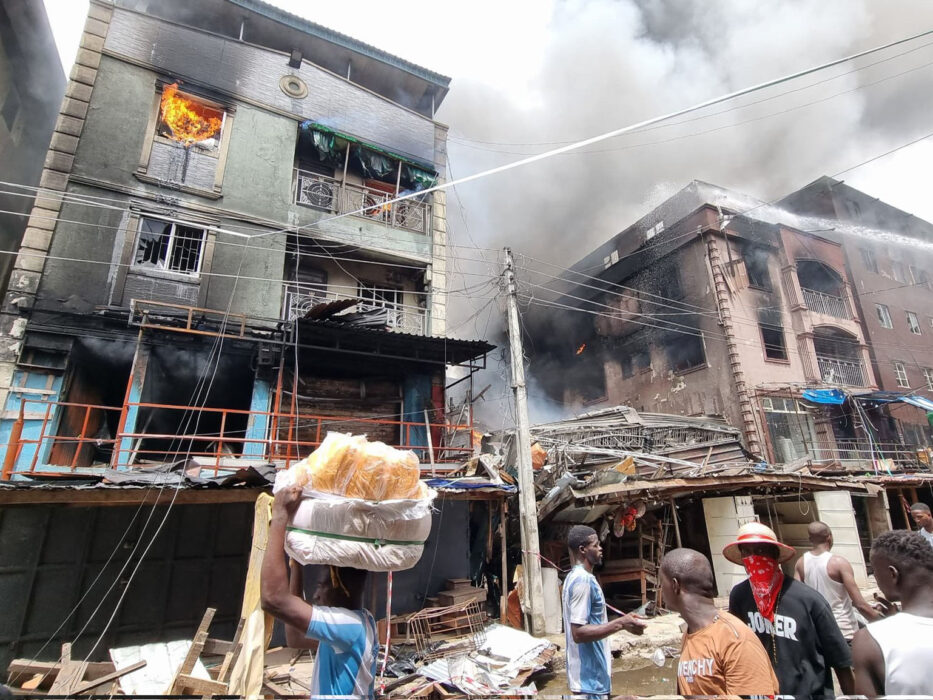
(827,396)
(919,402)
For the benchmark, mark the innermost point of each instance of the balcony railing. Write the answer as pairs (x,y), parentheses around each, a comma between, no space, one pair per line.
(823,303)
(285,438)
(327,194)
(836,371)
(393,315)
(860,452)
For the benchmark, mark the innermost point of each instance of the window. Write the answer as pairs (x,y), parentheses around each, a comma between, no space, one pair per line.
(654,230)
(188,120)
(913,323)
(868,260)
(900,373)
(756,267)
(772,337)
(374,298)
(884,316)
(790,428)
(670,285)
(611,259)
(918,277)
(928,378)
(168,246)
(897,271)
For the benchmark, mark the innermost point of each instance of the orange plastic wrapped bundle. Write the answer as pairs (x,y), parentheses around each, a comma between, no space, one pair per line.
(351,466)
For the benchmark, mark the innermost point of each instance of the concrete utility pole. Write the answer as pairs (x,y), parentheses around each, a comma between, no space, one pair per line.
(527,506)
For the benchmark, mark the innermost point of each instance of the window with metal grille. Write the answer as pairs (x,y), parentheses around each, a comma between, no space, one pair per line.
(900,374)
(168,246)
(913,323)
(884,316)
(928,378)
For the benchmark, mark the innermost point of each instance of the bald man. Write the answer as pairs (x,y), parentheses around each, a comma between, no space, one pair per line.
(720,655)
(832,576)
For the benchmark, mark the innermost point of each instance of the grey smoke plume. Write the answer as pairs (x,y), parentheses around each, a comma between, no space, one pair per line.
(609,64)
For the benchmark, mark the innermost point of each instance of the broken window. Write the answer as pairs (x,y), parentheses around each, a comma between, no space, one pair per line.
(168,246)
(756,266)
(913,323)
(884,316)
(188,120)
(772,337)
(868,260)
(685,351)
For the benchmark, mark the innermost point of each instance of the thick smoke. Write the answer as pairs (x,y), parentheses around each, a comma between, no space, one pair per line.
(608,64)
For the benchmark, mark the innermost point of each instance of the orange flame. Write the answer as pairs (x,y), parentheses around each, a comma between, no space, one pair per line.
(581,349)
(188,121)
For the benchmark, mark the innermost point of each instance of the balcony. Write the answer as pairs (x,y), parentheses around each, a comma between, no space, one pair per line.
(837,371)
(330,195)
(823,303)
(859,453)
(377,307)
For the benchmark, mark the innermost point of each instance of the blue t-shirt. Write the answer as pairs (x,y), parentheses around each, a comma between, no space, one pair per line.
(588,664)
(345,665)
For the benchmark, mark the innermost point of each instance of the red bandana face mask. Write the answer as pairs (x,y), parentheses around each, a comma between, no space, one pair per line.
(766,579)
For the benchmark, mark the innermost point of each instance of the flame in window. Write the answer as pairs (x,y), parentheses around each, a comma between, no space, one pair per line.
(187,121)
(581,349)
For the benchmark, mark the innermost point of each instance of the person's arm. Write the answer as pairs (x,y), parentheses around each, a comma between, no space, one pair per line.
(294,637)
(593,633)
(798,570)
(835,649)
(846,575)
(276,595)
(869,665)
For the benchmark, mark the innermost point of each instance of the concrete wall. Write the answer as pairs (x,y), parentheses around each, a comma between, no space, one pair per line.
(32,84)
(724,516)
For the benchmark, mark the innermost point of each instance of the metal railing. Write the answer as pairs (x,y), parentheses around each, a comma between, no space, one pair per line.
(823,303)
(331,195)
(284,439)
(861,452)
(393,315)
(836,371)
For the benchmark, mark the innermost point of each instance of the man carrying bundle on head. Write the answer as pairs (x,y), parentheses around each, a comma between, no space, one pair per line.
(586,624)
(334,621)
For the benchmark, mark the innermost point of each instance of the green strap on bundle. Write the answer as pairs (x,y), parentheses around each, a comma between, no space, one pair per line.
(368,540)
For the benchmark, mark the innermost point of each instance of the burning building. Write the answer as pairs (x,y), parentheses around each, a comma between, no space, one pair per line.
(715,304)
(215,274)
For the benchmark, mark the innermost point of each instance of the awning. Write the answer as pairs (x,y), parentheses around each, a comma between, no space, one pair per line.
(825,396)
(919,402)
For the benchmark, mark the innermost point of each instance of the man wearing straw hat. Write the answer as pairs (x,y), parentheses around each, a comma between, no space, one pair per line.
(793,621)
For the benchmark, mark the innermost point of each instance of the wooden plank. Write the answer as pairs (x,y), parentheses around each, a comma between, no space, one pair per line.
(194,653)
(109,678)
(70,675)
(186,684)
(50,669)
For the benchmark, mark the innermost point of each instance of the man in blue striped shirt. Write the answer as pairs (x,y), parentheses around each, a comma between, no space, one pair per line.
(586,625)
(335,621)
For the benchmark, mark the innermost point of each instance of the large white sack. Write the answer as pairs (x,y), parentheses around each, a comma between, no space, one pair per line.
(370,535)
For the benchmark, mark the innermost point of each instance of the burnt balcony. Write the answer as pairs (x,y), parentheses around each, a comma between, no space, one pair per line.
(823,303)
(377,308)
(834,370)
(335,197)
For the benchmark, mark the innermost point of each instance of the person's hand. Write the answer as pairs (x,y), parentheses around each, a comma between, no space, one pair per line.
(631,623)
(286,501)
(884,606)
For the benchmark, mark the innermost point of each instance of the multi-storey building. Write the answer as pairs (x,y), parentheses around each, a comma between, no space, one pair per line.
(889,254)
(717,304)
(31,88)
(215,273)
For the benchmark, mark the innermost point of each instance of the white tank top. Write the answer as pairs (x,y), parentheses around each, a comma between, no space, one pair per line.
(906,642)
(816,576)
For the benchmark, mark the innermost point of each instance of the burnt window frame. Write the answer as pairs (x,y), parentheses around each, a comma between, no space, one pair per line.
(151,135)
(169,247)
(869,261)
(758,275)
(765,344)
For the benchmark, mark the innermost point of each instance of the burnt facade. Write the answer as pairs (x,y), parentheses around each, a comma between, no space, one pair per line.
(701,309)
(216,273)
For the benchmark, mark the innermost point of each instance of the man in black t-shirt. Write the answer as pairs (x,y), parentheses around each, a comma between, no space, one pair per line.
(793,621)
